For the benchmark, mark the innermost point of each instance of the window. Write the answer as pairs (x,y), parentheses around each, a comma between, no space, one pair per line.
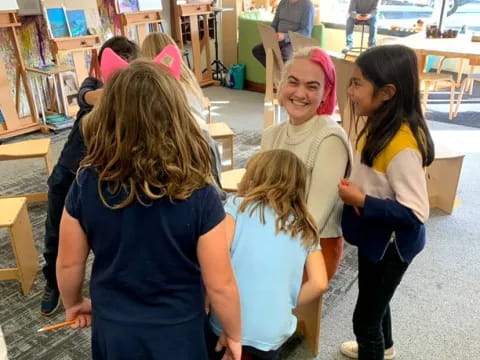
(462,12)
(394,14)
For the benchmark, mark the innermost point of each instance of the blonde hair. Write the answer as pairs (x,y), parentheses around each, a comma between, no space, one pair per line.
(143,140)
(154,43)
(277,178)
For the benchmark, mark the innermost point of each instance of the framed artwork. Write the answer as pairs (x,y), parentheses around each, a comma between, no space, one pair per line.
(77,22)
(68,89)
(124,6)
(57,22)
(144,5)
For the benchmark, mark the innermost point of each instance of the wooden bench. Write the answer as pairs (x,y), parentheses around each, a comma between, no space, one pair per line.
(222,133)
(14,216)
(309,315)
(442,178)
(26,150)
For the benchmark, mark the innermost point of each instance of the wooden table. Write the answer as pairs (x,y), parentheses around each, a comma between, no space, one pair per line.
(461,47)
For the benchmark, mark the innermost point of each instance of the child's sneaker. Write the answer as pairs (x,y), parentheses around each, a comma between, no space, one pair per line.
(50,301)
(350,349)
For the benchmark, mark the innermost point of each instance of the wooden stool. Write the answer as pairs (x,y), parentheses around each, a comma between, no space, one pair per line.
(25,150)
(222,133)
(13,214)
(207,105)
(231,178)
(442,178)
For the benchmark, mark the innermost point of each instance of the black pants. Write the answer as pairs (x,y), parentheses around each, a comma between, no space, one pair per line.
(259,52)
(248,352)
(58,185)
(371,319)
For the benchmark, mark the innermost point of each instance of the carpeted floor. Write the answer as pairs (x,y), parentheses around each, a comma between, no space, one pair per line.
(469,111)
(20,316)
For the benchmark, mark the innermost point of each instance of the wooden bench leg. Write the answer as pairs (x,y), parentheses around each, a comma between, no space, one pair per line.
(24,250)
(48,161)
(309,321)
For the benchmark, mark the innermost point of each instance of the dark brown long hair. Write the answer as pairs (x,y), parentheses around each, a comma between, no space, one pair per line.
(143,140)
(396,65)
(277,178)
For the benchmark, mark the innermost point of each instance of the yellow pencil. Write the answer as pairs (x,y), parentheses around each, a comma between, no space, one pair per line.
(56,326)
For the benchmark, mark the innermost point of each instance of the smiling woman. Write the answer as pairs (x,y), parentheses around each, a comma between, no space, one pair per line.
(307,92)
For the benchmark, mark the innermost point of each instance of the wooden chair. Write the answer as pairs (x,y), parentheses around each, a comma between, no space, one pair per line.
(25,150)
(344,70)
(429,79)
(467,83)
(300,41)
(273,73)
(222,133)
(14,216)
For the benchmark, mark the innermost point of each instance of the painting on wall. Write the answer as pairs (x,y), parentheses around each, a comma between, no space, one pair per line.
(2,118)
(125,6)
(57,22)
(77,22)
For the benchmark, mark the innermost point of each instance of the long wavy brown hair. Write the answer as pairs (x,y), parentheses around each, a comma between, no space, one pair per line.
(277,179)
(143,140)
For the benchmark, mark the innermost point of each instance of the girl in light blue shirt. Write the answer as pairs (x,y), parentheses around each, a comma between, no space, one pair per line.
(272,239)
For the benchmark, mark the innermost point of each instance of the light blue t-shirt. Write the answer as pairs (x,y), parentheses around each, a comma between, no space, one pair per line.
(269,269)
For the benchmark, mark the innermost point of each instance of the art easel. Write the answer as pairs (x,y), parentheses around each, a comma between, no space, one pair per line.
(77,46)
(14,125)
(192,12)
(140,20)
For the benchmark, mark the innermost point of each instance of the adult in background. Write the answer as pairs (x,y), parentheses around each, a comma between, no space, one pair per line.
(362,10)
(291,15)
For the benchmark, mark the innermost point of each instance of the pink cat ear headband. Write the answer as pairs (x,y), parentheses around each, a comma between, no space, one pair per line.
(169,58)
(330,92)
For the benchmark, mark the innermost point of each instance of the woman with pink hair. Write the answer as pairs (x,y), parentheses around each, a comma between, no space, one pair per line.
(307,91)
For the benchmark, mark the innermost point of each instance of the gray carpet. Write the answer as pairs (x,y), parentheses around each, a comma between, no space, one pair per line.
(469,111)
(20,316)
(434,312)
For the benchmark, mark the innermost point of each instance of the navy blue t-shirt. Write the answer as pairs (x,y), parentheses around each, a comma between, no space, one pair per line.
(145,269)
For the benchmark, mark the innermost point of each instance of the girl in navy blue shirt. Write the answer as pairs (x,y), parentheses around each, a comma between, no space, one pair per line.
(144,204)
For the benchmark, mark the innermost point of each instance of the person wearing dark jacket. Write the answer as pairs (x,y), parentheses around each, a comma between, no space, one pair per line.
(365,11)
(66,168)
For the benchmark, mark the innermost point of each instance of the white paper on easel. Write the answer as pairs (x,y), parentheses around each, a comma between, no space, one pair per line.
(8,5)
(89,6)
(144,5)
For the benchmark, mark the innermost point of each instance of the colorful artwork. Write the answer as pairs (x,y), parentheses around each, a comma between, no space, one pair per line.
(58,22)
(77,22)
(2,118)
(127,6)
(144,5)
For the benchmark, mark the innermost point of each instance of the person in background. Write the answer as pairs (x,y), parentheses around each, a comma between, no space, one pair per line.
(386,198)
(151,47)
(144,203)
(272,238)
(64,171)
(362,10)
(291,15)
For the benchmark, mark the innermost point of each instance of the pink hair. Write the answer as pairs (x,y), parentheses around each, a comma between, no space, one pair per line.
(327,107)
